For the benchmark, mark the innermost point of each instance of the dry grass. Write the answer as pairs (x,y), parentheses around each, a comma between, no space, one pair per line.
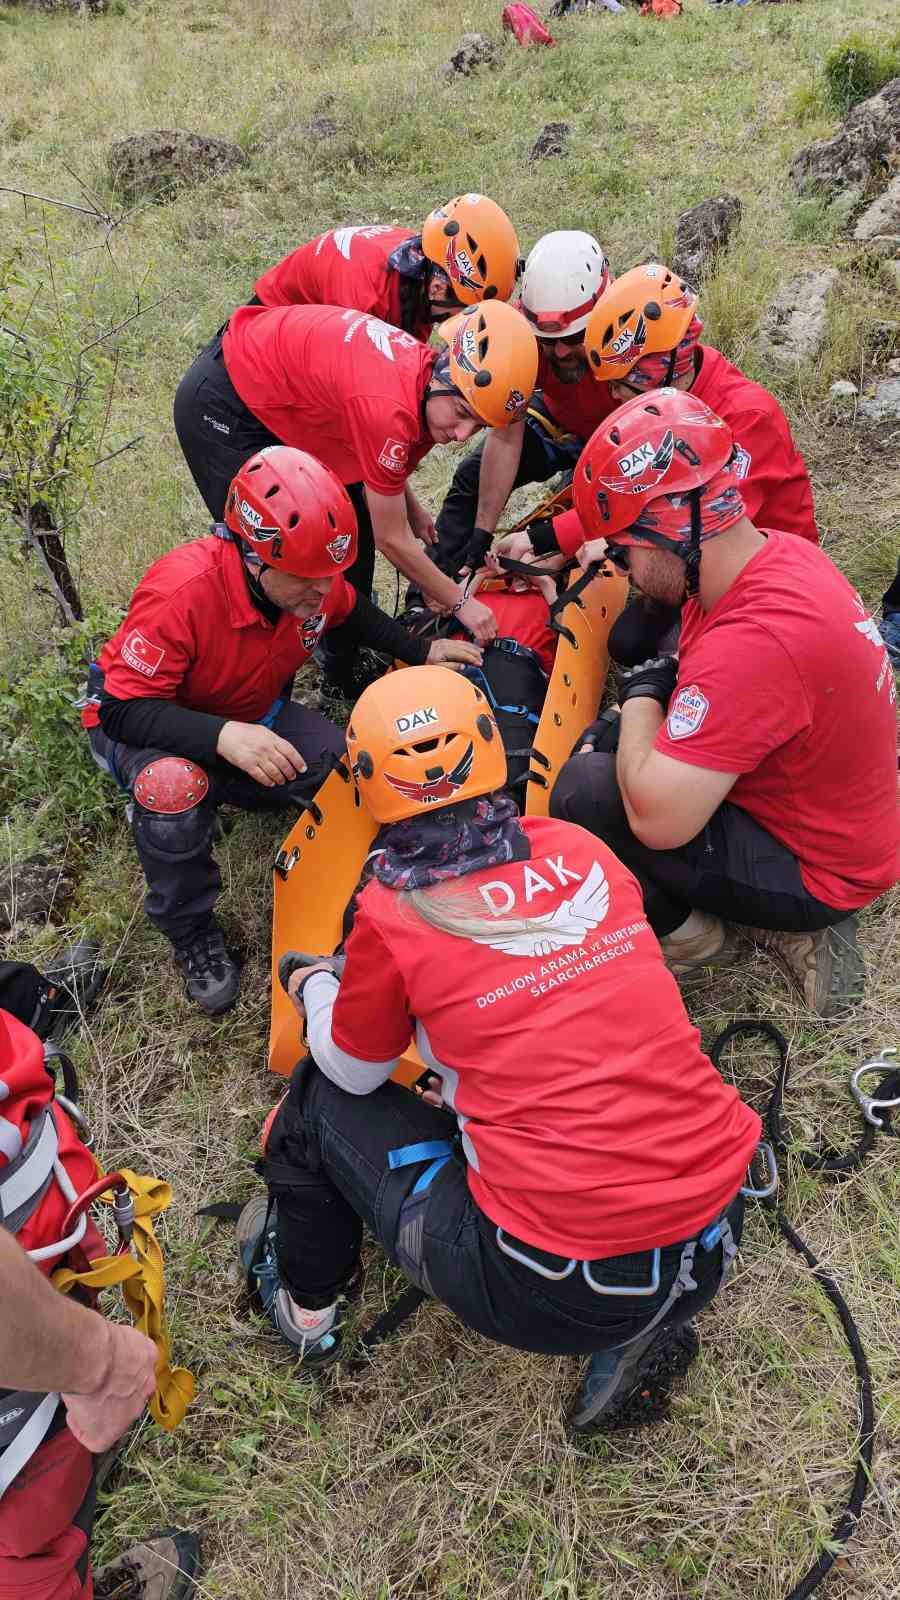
(443,1470)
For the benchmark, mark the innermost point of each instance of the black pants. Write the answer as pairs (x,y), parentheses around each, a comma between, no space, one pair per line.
(327,1168)
(733,868)
(540,460)
(183,878)
(218,433)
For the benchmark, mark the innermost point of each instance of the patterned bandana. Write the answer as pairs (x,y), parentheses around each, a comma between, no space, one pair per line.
(458,839)
(653,371)
(409,258)
(721,506)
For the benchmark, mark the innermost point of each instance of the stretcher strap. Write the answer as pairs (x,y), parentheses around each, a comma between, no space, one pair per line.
(141,1278)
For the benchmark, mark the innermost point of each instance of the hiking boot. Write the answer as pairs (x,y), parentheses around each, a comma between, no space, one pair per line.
(629,1386)
(827,966)
(714,945)
(256,1229)
(73,985)
(211,978)
(161,1568)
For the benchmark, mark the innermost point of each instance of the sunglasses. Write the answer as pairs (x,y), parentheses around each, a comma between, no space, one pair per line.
(617,556)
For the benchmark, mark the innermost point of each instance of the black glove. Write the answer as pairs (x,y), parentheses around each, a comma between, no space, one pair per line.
(602,735)
(652,680)
(293,960)
(543,538)
(479,544)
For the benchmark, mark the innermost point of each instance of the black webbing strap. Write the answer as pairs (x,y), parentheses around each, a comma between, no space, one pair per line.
(526,569)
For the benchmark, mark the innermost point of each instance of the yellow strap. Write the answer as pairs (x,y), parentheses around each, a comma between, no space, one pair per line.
(141,1278)
(552,429)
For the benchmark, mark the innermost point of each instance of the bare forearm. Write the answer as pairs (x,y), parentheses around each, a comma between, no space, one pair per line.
(499,465)
(47,1340)
(641,722)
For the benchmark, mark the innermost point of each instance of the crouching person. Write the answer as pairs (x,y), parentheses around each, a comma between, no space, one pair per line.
(553,1187)
(191,699)
(755,779)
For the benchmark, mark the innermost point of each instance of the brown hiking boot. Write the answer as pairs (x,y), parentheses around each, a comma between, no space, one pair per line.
(827,966)
(161,1568)
(714,946)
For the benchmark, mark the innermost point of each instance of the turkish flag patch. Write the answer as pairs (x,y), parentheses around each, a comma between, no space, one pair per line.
(141,654)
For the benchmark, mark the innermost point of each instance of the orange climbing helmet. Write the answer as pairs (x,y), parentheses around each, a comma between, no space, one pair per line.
(645,312)
(293,513)
(473,241)
(492,360)
(421,738)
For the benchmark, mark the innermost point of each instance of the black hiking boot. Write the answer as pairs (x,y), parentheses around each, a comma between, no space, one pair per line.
(211,978)
(629,1386)
(162,1568)
(73,984)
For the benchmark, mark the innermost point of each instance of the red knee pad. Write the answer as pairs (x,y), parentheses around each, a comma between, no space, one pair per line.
(170,785)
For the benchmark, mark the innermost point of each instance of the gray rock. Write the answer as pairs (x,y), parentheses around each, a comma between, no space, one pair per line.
(843,390)
(893,367)
(321,128)
(84,8)
(793,329)
(701,233)
(473,51)
(880,222)
(159,163)
(30,889)
(867,145)
(553,140)
(883,404)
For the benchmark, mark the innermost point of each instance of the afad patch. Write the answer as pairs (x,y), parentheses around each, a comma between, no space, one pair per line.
(141,654)
(687,712)
(310,631)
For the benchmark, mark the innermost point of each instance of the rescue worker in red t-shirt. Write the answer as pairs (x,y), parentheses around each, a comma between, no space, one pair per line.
(564,277)
(754,779)
(71,1382)
(466,251)
(191,699)
(644,334)
(555,1189)
(368,400)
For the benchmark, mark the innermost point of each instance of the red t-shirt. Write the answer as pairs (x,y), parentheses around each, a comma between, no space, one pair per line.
(525,617)
(194,636)
(593,1123)
(578,407)
(344,267)
(345,386)
(786,681)
(774,481)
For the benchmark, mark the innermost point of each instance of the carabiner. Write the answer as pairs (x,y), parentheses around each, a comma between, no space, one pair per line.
(78,1117)
(869,1103)
(768,1155)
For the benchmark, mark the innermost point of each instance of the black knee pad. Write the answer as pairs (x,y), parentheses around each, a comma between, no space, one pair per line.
(181,837)
(587,792)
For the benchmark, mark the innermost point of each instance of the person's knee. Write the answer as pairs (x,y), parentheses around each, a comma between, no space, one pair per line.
(174,817)
(587,792)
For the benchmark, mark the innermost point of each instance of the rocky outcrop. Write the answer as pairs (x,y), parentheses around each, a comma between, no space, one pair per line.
(701,233)
(553,140)
(159,163)
(866,148)
(793,329)
(473,51)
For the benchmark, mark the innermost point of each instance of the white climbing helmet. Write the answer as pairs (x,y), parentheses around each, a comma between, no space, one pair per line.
(564,277)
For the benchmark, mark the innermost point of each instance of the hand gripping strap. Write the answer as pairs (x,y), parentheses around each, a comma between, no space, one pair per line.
(143,1285)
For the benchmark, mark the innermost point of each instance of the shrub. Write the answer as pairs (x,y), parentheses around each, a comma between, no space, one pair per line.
(857,69)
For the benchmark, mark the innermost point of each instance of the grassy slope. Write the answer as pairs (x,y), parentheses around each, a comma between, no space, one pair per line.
(444,1471)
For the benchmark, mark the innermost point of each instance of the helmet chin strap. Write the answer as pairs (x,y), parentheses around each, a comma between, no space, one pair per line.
(692,558)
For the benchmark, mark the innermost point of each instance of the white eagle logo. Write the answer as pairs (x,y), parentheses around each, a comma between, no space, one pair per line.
(869,630)
(567,925)
(344,237)
(380,335)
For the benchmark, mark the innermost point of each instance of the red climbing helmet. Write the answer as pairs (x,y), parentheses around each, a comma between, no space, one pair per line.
(292,512)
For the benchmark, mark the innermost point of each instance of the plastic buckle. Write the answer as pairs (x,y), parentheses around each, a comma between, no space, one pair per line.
(285,861)
(768,1154)
(869,1103)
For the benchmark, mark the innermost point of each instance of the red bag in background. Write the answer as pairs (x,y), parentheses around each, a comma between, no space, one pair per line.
(527,26)
(662,8)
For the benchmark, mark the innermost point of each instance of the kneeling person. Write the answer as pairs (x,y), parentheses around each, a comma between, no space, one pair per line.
(755,778)
(554,1198)
(191,699)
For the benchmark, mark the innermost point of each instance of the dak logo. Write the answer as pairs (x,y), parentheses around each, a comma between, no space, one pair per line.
(253,523)
(687,712)
(416,719)
(310,629)
(465,347)
(461,266)
(633,465)
(443,787)
(394,455)
(140,654)
(628,341)
(337,548)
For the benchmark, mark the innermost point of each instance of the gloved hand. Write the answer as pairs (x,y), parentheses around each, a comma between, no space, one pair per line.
(479,544)
(652,680)
(294,960)
(601,736)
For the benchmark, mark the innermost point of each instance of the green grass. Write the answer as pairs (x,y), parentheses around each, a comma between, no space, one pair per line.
(443,1470)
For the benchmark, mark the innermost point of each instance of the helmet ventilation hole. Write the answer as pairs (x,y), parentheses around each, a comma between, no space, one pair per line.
(293,520)
(271,491)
